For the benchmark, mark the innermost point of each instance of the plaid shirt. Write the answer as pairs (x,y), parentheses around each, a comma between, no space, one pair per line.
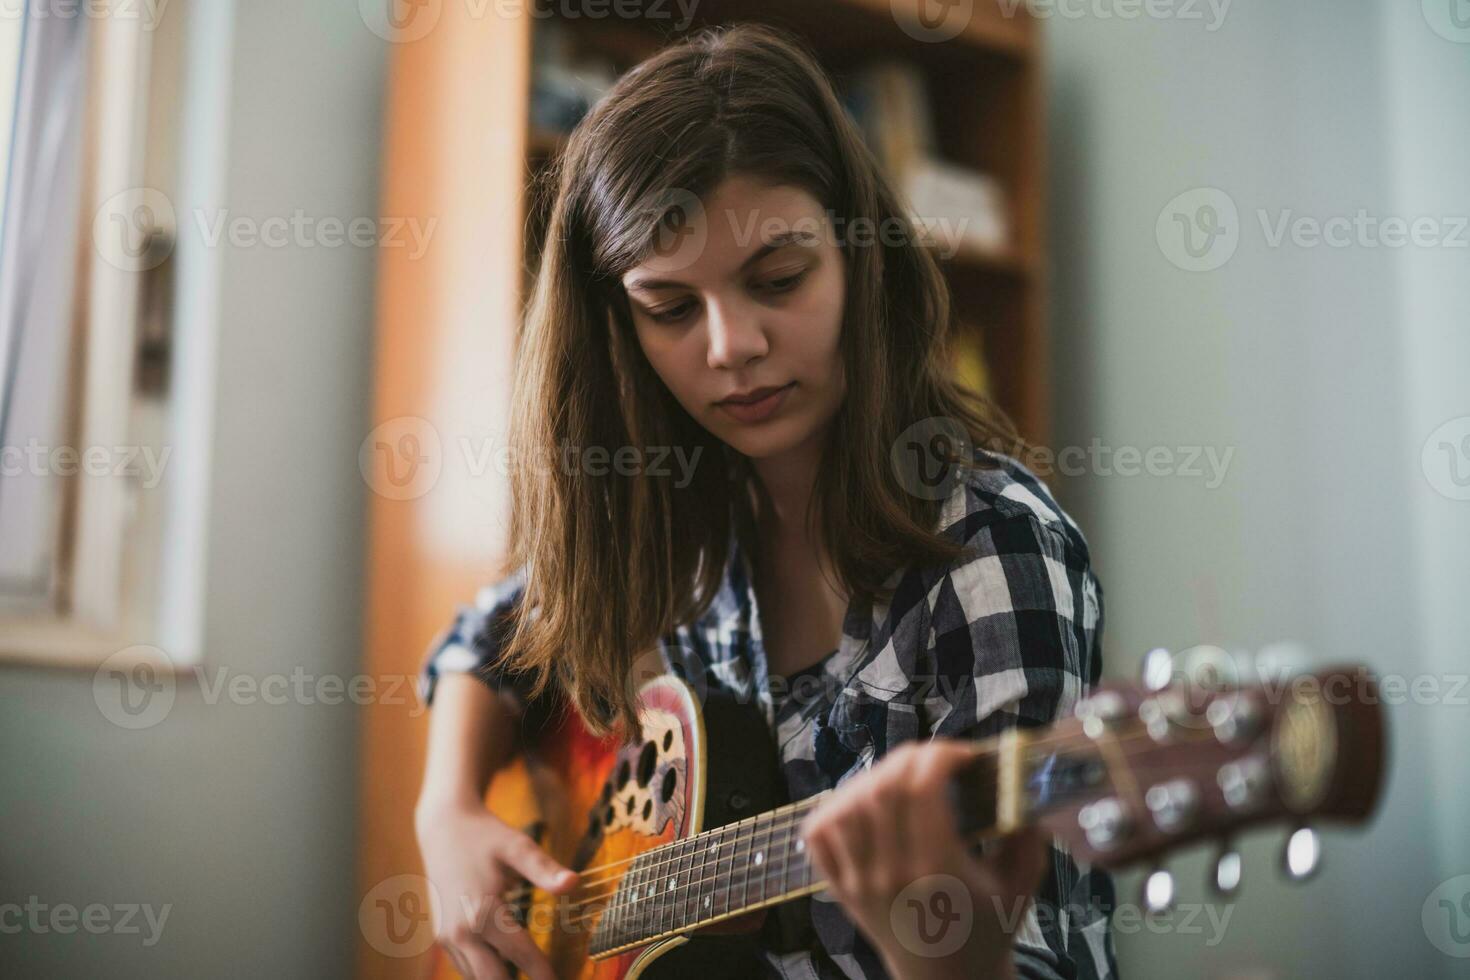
(1007,635)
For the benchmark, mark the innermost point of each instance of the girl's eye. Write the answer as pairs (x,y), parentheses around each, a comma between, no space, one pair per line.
(672,315)
(786,283)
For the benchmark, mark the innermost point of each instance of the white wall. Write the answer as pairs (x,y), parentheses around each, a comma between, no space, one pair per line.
(1321,367)
(238,816)
(1429,124)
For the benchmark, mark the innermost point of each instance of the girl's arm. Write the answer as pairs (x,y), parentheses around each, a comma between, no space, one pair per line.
(471,857)
(471,737)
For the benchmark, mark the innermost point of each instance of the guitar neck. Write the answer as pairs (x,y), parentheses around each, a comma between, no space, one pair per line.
(760,861)
(1133,774)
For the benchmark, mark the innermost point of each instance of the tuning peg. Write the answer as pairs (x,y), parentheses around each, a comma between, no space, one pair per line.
(1156,670)
(1157,892)
(1207,667)
(1301,855)
(1225,882)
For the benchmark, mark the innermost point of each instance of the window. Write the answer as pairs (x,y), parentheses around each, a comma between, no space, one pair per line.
(90,406)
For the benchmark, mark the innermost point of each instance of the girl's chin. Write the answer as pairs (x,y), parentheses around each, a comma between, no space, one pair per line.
(763,441)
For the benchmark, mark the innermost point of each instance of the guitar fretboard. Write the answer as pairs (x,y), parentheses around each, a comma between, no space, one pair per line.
(715,875)
(732,870)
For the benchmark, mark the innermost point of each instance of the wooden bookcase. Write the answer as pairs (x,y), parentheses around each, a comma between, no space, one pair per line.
(459,148)
(984,86)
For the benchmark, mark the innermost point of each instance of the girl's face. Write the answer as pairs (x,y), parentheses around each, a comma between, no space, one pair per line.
(747,302)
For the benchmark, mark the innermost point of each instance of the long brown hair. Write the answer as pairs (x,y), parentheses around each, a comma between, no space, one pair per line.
(616,561)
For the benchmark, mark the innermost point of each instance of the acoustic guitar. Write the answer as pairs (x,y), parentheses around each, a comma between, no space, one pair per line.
(682,845)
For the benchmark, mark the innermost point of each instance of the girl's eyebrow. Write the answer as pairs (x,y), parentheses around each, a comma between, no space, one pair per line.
(780,240)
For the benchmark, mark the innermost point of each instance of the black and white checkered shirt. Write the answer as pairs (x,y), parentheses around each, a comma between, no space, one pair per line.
(1007,635)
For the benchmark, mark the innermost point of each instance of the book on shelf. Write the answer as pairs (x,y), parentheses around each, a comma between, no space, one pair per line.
(967,353)
(954,205)
(958,207)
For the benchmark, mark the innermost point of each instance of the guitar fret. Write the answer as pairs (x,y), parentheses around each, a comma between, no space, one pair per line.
(677,878)
(759,857)
(703,900)
(784,849)
(721,894)
(609,922)
(661,894)
(635,874)
(686,875)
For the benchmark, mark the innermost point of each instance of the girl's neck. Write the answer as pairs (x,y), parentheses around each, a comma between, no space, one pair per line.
(786,485)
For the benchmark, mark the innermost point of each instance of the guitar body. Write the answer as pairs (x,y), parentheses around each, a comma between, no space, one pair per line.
(683,845)
(593,802)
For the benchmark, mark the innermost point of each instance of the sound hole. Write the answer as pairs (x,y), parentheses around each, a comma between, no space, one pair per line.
(647,809)
(624,771)
(646,760)
(667,791)
(668,740)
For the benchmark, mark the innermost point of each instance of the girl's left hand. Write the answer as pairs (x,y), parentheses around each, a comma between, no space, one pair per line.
(887,843)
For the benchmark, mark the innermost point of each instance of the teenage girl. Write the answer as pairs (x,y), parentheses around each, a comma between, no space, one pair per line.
(739,455)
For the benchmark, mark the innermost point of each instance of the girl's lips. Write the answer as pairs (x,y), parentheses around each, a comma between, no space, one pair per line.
(757,411)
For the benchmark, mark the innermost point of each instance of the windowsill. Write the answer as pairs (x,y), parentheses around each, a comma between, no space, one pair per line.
(57,642)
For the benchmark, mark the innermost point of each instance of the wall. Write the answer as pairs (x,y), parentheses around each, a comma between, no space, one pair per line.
(240,817)
(1319,367)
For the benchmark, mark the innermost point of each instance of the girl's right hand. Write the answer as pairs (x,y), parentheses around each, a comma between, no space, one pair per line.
(472,858)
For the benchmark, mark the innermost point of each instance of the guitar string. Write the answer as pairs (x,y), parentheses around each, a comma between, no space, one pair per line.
(783,823)
(764,879)
(804,804)
(983,750)
(674,910)
(717,877)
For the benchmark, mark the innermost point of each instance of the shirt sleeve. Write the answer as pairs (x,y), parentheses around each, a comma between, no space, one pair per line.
(1014,641)
(472,644)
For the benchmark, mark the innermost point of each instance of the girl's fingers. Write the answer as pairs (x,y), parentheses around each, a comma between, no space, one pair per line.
(1022,860)
(516,946)
(484,964)
(852,846)
(820,853)
(538,867)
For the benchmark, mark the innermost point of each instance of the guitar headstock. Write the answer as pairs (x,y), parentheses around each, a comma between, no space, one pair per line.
(1144,769)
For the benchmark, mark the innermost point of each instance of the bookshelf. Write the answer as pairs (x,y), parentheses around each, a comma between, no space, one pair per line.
(462,145)
(982,96)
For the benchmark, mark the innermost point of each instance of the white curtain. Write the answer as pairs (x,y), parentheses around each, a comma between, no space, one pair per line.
(45,69)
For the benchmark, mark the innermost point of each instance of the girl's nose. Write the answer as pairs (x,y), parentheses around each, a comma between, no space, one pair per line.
(735,335)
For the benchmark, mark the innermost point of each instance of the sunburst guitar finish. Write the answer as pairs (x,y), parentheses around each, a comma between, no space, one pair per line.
(596,804)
